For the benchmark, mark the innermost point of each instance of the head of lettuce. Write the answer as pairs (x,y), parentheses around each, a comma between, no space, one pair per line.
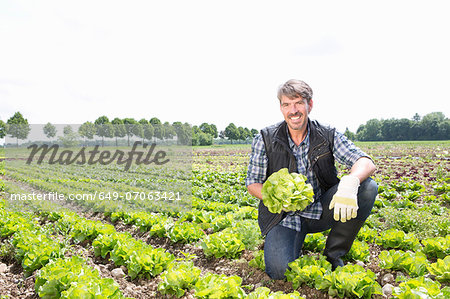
(284,191)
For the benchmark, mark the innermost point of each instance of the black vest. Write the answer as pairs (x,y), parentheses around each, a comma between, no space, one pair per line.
(320,157)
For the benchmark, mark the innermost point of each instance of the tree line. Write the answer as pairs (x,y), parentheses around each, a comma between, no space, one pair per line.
(151,130)
(433,126)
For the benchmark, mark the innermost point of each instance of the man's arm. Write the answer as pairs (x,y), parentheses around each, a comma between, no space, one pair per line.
(346,153)
(363,168)
(345,201)
(255,190)
(257,167)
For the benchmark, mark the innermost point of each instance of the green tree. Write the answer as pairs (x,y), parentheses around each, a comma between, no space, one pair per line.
(155,121)
(373,130)
(159,130)
(119,129)
(149,131)
(200,138)
(350,135)
(214,131)
(247,133)
(402,129)
(18,127)
(433,126)
(101,120)
(195,135)
(204,139)
(184,133)
(243,133)
(360,133)
(2,129)
(387,129)
(254,132)
(444,130)
(430,125)
(140,128)
(169,131)
(70,138)
(49,130)
(138,131)
(87,130)
(210,129)
(232,132)
(129,127)
(104,128)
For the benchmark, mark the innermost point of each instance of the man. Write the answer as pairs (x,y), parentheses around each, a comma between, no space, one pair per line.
(307,147)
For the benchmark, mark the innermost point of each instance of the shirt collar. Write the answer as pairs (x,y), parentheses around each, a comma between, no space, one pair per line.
(303,143)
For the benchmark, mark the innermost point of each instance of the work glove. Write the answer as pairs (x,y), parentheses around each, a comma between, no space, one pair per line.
(344,202)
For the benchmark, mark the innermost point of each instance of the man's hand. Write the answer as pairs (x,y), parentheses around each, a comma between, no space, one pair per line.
(255,189)
(344,202)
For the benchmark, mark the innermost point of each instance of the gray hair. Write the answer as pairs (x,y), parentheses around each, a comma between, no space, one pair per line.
(294,89)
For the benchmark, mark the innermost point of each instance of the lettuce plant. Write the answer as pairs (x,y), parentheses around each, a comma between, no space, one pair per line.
(222,244)
(397,239)
(248,232)
(12,222)
(420,287)
(438,247)
(441,269)
(367,234)
(284,191)
(72,278)
(178,278)
(350,281)
(105,243)
(358,252)
(265,293)
(415,264)
(148,262)
(185,232)
(315,242)
(307,270)
(258,260)
(35,249)
(219,286)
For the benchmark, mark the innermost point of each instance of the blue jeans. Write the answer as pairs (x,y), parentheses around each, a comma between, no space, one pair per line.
(283,245)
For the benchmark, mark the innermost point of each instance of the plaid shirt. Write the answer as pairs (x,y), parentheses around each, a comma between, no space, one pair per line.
(344,151)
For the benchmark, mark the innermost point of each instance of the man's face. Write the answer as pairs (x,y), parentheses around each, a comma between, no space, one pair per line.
(295,112)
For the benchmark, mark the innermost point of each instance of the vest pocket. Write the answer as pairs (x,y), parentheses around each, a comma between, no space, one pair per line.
(325,171)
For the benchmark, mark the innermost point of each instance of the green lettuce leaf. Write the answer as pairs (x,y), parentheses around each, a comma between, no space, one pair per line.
(284,191)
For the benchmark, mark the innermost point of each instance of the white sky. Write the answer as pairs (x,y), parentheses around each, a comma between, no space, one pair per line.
(222,61)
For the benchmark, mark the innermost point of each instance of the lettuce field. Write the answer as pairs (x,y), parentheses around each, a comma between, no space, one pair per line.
(133,241)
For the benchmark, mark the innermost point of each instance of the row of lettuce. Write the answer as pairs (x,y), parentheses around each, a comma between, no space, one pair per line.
(57,276)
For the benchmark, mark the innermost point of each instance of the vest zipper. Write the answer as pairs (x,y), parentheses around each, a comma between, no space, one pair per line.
(314,161)
(318,157)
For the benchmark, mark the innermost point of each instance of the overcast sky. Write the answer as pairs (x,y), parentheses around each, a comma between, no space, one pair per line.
(222,61)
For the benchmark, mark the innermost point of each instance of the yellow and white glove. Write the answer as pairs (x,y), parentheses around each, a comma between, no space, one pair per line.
(345,202)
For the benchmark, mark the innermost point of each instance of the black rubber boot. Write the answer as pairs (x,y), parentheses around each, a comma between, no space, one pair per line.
(340,240)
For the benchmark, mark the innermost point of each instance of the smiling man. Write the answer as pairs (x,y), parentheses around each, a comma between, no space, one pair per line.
(310,148)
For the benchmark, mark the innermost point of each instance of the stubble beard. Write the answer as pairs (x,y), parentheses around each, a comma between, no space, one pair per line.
(300,126)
